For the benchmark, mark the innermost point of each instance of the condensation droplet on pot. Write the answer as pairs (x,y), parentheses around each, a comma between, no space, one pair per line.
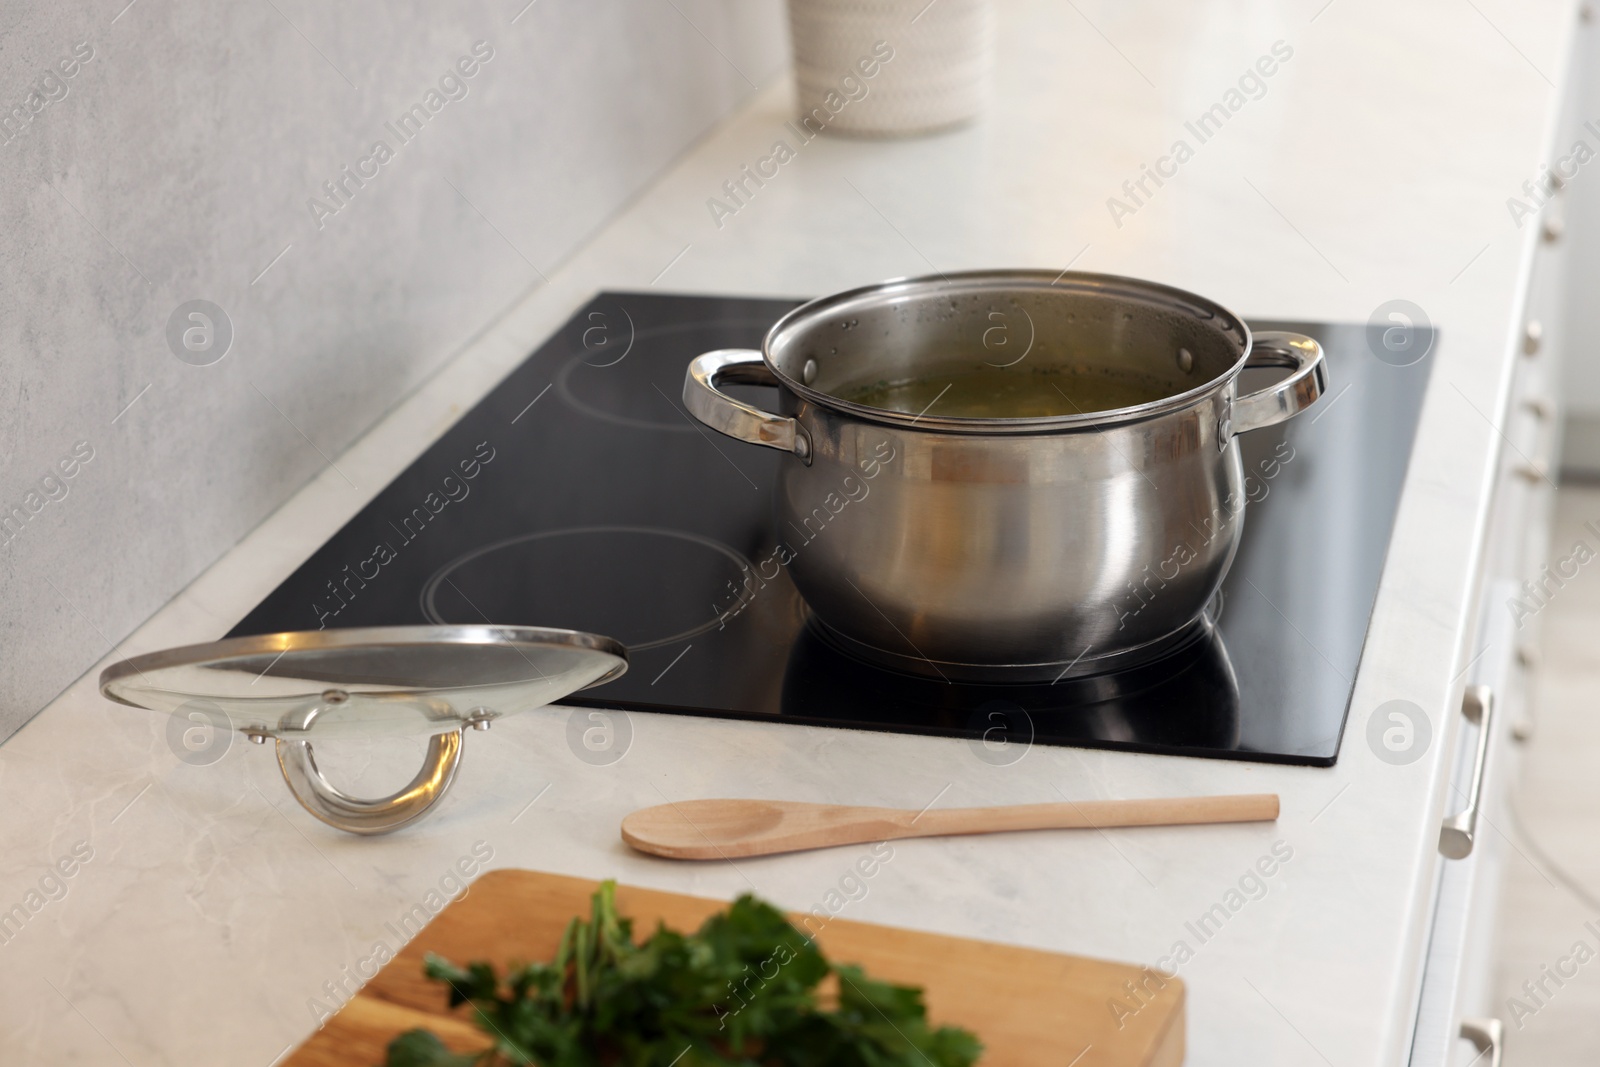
(808,373)
(1185,360)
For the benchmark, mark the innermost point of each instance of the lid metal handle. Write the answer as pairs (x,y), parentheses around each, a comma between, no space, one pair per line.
(367,817)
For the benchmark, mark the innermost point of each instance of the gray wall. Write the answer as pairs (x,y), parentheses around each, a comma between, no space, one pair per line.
(177,162)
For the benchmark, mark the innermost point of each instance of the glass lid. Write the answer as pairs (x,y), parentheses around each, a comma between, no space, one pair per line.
(388,680)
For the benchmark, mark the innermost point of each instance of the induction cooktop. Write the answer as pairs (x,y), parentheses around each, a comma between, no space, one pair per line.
(580,494)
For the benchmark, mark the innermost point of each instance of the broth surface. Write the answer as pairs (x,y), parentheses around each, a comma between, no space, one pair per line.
(1007,393)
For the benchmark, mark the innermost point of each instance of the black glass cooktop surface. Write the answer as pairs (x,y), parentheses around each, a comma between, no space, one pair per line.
(580,494)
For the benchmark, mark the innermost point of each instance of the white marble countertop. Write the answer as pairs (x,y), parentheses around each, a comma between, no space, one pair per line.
(211,911)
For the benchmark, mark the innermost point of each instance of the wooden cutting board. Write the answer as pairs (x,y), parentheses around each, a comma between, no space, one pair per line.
(1027,1006)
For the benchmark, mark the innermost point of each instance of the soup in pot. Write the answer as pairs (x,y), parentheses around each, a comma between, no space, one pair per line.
(1005,393)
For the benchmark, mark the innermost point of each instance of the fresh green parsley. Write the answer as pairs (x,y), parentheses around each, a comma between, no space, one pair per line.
(742,991)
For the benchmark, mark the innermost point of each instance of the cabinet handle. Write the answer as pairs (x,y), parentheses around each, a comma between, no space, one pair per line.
(1532,337)
(1552,228)
(1522,728)
(1458,832)
(1535,470)
(1488,1035)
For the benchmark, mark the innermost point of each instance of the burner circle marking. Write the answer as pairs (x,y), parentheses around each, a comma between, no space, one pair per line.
(430,589)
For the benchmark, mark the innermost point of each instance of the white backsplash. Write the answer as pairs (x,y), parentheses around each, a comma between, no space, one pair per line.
(163,154)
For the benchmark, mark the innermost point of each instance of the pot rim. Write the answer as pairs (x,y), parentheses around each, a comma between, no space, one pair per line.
(1025,278)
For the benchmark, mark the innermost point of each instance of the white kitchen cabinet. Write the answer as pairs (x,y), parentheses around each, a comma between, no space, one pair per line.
(1458,1019)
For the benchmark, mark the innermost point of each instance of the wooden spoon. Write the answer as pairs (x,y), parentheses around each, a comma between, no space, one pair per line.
(726,829)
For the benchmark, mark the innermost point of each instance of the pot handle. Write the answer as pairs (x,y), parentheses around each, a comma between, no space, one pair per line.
(1285,399)
(739,420)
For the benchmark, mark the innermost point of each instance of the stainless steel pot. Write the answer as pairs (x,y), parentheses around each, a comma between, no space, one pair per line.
(984,548)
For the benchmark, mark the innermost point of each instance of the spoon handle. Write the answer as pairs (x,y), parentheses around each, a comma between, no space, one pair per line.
(1098,814)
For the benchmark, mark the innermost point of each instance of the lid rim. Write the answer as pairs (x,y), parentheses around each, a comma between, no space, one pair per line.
(355,638)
